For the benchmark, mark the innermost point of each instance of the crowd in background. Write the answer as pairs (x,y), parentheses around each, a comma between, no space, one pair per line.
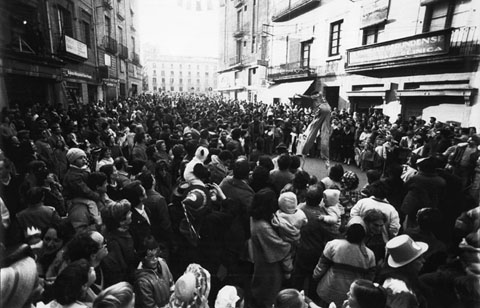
(189,201)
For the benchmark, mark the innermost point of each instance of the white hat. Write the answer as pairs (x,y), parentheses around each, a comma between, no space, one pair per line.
(403,250)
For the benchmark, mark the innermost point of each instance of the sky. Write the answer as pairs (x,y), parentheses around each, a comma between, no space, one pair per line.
(180,27)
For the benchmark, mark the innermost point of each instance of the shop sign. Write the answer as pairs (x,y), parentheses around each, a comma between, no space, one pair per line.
(76,47)
(110,82)
(374,12)
(71,73)
(429,44)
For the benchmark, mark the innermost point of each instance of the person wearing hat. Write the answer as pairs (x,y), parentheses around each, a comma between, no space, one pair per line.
(464,159)
(404,262)
(425,189)
(75,180)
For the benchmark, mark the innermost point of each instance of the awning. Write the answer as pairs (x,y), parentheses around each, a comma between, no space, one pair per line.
(286,90)
(238,88)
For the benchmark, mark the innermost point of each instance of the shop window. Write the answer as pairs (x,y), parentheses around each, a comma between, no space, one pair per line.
(305,53)
(371,34)
(335,30)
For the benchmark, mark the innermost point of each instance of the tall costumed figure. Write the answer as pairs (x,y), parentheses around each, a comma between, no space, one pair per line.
(321,112)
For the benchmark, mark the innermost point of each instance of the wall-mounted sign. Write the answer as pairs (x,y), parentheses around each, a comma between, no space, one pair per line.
(108,60)
(110,82)
(71,73)
(374,12)
(426,44)
(75,47)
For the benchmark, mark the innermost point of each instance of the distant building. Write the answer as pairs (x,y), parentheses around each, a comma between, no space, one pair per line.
(68,52)
(167,73)
(412,57)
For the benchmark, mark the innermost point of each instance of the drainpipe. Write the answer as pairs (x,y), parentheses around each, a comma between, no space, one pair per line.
(49,26)
(95,47)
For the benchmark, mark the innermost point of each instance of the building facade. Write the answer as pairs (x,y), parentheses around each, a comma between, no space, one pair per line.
(167,73)
(409,57)
(68,52)
(244,48)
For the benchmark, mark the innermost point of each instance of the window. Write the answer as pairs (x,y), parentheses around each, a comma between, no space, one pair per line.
(120,35)
(154,80)
(154,88)
(438,16)
(163,73)
(163,80)
(189,73)
(180,89)
(181,80)
(172,88)
(245,8)
(172,80)
(239,19)
(108,26)
(305,55)
(371,34)
(206,74)
(244,43)
(64,18)
(154,72)
(198,81)
(334,47)
(85,32)
(180,73)
(253,44)
(171,73)
(198,74)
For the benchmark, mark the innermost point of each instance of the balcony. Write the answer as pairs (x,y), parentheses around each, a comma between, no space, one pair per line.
(294,9)
(239,3)
(107,4)
(292,70)
(72,49)
(122,51)
(110,44)
(241,31)
(135,58)
(431,48)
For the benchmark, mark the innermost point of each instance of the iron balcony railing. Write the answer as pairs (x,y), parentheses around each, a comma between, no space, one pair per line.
(135,58)
(448,45)
(293,8)
(110,44)
(241,30)
(122,51)
(291,70)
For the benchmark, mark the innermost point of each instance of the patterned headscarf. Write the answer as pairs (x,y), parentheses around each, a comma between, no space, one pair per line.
(192,288)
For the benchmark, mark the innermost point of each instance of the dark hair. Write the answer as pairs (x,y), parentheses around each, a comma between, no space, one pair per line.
(108,171)
(225,155)
(139,137)
(295,162)
(241,169)
(151,149)
(336,173)
(120,163)
(114,214)
(35,195)
(284,162)
(368,294)
(373,215)
(146,178)
(236,133)
(264,204)
(201,172)
(260,178)
(133,192)
(68,286)
(82,246)
(355,233)
(96,179)
(266,162)
(378,189)
(289,298)
(137,166)
(373,175)
(301,179)
(314,195)
(428,218)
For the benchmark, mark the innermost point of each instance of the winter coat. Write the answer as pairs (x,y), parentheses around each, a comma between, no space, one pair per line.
(152,287)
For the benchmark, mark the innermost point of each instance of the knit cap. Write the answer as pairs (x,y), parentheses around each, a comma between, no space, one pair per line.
(75,153)
(287,202)
(331,196)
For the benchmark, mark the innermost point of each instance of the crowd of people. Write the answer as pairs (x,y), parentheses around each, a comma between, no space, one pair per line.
(194,201)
